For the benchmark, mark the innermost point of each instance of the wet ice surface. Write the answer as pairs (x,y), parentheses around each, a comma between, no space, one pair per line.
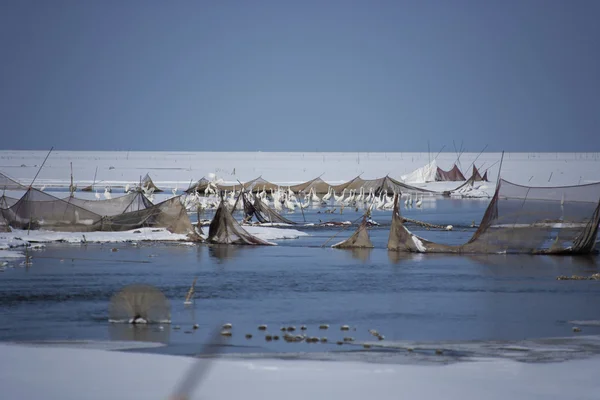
(420,301)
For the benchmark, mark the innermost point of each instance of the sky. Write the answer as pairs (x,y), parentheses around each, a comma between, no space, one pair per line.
(311,75)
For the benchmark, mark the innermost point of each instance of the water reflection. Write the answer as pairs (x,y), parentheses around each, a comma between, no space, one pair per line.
(139,333)
(397,257)
(223,252)
(362,254)
(583,263)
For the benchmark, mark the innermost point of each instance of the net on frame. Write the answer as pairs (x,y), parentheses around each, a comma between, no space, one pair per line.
(522,219)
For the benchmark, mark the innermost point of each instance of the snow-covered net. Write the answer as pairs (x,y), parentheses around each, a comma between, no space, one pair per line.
(427,173)
(139,304)
(522,219)
(469,184)
(359,239)
(224,229)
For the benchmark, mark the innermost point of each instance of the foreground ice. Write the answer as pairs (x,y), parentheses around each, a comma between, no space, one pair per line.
(30,372)
(11,254)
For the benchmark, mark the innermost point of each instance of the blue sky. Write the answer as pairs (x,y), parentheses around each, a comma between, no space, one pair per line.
(278,75)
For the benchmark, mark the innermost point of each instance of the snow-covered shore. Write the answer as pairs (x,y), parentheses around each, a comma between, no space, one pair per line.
(30,372)
(11,243)
(177,169)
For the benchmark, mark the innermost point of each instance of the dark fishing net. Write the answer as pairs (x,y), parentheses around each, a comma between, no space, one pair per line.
(386,184)
(224,229)
(359,239)
(453,174)
(262,212)
(318,185)
(40,210)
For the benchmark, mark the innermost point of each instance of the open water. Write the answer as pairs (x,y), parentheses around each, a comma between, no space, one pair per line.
(65,294)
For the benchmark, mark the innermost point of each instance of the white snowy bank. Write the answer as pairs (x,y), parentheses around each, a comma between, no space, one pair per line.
(269,233)
(32,373)
(136,235)
(10,241)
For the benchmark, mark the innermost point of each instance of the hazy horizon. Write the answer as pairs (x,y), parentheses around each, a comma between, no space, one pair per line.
(271,75)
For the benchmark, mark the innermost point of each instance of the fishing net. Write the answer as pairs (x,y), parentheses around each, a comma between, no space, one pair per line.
(139,304)
(359,239)
(40,210)
(262,212)
(453,175)
(386,185)
(198,186)
(522,219)
(169,214)
(224,229)
(149,186)
(318,185)
(134,201)
(7,183)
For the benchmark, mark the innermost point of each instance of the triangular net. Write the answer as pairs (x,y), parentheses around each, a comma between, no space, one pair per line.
(224,229)
(453,174)
(198,186)
(318,185)
(359,239)
(7,183)
(149,186)
(262,212)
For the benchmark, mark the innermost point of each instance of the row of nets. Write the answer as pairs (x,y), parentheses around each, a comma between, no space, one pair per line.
(319,186)
(40,210)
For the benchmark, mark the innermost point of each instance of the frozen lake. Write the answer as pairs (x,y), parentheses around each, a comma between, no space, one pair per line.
(65,294)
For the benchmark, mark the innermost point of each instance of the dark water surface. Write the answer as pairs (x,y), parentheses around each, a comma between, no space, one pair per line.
(65,294)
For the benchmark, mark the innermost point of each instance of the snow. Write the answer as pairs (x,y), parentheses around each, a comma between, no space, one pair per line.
(420,246)
(176,169)
(19,238)
(269,233)
(590,322)
(29,372)
(424,174)
(11,254)
(136,235)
